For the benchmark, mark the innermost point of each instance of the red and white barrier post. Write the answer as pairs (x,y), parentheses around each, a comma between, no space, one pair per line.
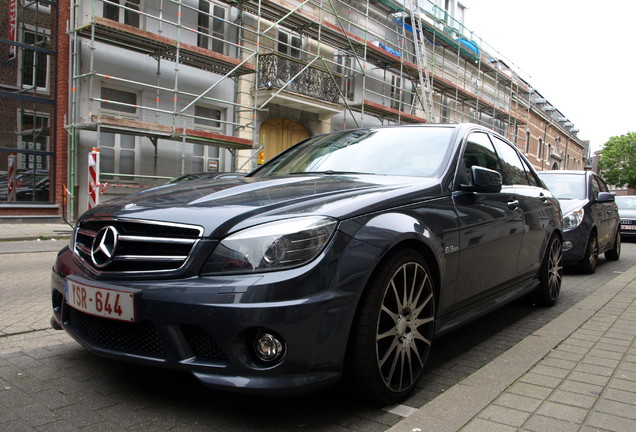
(93,178)
(11,185)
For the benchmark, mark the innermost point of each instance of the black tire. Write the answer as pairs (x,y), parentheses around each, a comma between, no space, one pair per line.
(393,330)
(550,274)
(615,252)
(590,260)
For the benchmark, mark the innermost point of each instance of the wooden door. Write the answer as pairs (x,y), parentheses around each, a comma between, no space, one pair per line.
(279,134)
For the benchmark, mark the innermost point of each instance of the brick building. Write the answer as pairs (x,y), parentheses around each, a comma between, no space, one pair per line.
(163,88)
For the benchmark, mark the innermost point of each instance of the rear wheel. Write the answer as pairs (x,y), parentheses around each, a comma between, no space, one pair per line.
(393,331)
(615,252)
(590,259)
(551,274)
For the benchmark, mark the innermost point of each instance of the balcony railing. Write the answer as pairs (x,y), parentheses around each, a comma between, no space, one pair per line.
(278,72)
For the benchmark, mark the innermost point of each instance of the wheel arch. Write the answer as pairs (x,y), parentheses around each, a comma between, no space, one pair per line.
(408,243)
(351,369)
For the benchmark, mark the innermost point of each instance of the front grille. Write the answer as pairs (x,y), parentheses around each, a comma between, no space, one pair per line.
(203,346)
(135,338)
(134,246)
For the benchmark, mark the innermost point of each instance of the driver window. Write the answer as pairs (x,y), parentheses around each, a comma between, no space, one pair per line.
(596,189)
(479,151)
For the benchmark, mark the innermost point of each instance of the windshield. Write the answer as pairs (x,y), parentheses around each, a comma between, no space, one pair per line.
(565,186)
(403,151)
(626,202)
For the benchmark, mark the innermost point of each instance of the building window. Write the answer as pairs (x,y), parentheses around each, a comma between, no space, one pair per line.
(289,43)
(128,14)
(121,101)
(34,137)
(345,68)
(35,64)
(205,158)
(396,93)
(211,27)
(207,118)
(118,157)
(40,6)
(540,149)
(401,97)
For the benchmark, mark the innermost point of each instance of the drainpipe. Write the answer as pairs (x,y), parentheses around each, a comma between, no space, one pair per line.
(542,150)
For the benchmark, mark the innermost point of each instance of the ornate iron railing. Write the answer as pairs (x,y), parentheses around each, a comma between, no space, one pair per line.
(277,72)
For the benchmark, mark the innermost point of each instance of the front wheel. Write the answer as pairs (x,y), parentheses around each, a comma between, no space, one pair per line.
(551,274)
(393,330)
(615,252)
(590,259)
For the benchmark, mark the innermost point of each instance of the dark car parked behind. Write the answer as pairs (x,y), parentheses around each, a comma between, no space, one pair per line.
(627,212)
(346,255)
(206,175)
(590,217)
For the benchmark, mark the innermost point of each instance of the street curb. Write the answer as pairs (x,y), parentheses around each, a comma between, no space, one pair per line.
(454,408)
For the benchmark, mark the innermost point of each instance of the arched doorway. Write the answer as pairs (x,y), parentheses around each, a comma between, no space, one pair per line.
(279,134)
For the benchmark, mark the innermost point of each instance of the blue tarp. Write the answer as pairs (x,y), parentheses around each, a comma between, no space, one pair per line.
(471,45)
(390,50)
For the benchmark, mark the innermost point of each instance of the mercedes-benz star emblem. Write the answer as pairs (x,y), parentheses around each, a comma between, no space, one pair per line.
(104,245)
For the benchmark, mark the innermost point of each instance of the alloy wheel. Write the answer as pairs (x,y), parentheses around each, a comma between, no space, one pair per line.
(555,269)
(405,326)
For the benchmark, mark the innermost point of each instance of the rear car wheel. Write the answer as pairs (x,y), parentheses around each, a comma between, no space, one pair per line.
(394,328)
(551,274)
(615,252)
(590,259)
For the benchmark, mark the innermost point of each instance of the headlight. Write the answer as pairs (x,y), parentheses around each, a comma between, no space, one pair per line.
(573,219)
(271,246)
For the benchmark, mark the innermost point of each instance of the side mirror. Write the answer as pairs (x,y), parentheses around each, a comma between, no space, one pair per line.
(483,180)
(605,197)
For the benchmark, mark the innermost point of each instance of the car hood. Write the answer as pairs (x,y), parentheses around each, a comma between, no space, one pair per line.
(627,214)
(567,205)
(225,206)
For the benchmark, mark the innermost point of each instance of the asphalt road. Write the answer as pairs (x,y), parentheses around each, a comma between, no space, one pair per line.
(48,382)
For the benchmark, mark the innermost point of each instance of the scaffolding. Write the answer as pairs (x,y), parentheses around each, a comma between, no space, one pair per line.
(342,63)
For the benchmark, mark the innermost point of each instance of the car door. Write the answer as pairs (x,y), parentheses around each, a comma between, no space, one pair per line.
(606,213)
(534,201)
(490,227)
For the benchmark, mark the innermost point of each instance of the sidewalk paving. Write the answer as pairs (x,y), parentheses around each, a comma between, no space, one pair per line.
(34,231)
(577,373)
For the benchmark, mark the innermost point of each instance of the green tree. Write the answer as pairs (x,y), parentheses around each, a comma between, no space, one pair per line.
(617,160)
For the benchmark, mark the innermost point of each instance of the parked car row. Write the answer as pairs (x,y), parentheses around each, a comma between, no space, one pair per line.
(343,257)
(590,217)
(627,211)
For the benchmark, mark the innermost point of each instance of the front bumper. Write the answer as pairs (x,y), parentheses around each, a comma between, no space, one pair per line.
(575,242)
(208,325)
(628,230)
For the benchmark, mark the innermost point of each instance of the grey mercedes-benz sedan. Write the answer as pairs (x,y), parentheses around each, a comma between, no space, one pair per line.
(344,256)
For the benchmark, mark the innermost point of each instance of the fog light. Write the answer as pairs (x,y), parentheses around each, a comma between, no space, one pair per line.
(268,348)
(567,245)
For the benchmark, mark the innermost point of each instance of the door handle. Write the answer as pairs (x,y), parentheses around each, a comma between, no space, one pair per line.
(512,205)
